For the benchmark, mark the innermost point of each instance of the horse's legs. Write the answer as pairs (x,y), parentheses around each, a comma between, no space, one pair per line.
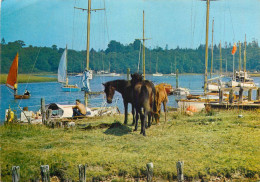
(136,118)
(126,111)
(133,113)
(144,121)
(149,119)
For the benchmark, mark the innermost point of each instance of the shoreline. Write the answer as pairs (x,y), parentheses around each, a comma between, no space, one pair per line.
(27,78)
(42,77)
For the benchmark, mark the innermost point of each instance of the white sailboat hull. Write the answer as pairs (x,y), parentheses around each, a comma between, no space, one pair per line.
(157,74)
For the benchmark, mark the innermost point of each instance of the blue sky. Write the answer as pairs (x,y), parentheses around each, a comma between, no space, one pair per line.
(173,22)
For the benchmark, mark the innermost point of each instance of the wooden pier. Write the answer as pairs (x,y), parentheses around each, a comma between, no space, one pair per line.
(244,106)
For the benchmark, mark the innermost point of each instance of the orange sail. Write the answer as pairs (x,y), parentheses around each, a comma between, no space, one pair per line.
(12,75)
(234,49)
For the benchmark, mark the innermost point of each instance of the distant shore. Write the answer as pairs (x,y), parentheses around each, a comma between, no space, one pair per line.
(42,77)
(27,78)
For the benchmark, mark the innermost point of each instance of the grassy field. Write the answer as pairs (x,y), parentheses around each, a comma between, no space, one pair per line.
(217,146)
(26,78)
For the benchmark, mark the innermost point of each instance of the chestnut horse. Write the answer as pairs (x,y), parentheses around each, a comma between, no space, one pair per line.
(125,89)
(144,99)
(161,97)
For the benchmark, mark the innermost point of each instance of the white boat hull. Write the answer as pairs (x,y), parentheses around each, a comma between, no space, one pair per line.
(157,74)
(241,84)
(184,104)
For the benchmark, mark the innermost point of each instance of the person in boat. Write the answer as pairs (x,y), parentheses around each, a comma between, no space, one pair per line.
(15,88)
(79,109)
(26,92)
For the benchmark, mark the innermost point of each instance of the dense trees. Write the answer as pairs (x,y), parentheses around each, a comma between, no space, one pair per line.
(120,57)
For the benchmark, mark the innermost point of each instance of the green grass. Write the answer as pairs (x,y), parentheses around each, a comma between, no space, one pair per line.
(26,78)
(221,145)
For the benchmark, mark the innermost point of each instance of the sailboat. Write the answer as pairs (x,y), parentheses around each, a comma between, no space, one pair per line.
(241,77)
(63,76)
(11,81)
(107,73)
(172,74)
(157,74)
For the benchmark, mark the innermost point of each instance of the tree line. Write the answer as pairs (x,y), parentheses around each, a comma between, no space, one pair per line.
(119,57)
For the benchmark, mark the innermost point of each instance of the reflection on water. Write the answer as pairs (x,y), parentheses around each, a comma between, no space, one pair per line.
(52,92)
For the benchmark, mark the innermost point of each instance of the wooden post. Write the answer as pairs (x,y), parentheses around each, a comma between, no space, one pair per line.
(241,95)
(128,74)
(149,169)
(258,94)
(231,97)
(43,110)
(48,114)
(250,95)
(179,166)
(220,96)
(82,172)
(45,173)
(15,174)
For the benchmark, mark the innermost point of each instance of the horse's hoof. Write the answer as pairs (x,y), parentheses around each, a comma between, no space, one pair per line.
(144,134)
(135,129)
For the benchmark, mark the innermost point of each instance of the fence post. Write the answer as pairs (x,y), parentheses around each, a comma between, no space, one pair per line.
(45,173)
(258,94)
(231,97)
(220,96)
(15,174)
(82,172)
(241,95)
(43,110)
(48,114)
(149,169)
(249,94)
(179,166)
(128,74)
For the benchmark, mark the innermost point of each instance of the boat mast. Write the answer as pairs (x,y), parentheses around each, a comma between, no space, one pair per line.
(211,67)
(88,40)
(239,65)
(206,49)
(245,56)
(157,63)
(143,49)
(175,63)
(220,58)
(66,69)
(88,33)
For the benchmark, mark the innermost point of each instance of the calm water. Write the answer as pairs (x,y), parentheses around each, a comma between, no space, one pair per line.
(52,93)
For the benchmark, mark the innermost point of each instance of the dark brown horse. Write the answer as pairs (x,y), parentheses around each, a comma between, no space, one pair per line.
(125,89)
(144,100)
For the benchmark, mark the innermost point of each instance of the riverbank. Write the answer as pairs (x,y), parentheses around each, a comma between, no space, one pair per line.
(27,78)
(254,74)
(215,145)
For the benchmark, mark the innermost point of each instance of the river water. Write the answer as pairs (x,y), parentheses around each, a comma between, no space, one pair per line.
(52,93)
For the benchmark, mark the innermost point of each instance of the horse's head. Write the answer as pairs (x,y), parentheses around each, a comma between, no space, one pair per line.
(136,77)
(156,116)
(109,91)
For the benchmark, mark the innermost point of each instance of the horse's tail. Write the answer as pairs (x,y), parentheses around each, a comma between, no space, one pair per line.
(154,98)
